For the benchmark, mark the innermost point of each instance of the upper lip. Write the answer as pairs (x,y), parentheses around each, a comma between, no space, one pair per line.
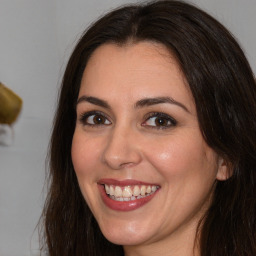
(125,182)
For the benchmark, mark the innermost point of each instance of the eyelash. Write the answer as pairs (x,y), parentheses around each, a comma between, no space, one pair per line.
(171,122)
(85,116)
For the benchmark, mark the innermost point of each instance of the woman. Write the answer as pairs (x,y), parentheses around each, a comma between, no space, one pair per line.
(153,150)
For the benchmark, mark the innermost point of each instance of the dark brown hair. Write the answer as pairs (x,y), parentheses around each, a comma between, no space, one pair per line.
(224,91)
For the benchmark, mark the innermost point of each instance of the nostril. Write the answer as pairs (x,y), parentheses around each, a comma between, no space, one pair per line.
(128,156)
(128,164)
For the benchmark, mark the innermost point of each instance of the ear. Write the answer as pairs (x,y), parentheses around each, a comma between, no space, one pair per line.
(224,169)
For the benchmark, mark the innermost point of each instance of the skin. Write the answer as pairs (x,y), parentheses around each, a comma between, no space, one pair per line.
(129,144)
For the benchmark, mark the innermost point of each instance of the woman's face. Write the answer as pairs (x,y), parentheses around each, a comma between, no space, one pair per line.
(138,153)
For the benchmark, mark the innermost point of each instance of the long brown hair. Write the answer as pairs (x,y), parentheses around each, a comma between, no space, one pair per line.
(224,91)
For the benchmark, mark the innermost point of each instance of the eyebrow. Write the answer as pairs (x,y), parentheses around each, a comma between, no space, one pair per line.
(139,104)
(159,100)
(93,100)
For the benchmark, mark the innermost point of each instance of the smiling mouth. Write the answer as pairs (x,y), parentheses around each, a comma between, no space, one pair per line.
(129,193)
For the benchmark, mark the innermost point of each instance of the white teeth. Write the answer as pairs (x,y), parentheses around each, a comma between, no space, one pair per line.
(128,193)
(111,190)
(107,189)
(136,191)
(118,192)
(148,190)
(143,190)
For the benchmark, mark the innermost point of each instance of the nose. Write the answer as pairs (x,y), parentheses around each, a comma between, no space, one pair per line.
(122,149)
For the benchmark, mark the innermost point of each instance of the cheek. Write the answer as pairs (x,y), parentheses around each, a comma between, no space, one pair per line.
(78,151)
(181,156)
(84,158)
(188,170)
(84,154)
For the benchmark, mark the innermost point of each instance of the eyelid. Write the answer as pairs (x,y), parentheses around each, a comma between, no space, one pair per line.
(85,115)
(83,118)
(160,115)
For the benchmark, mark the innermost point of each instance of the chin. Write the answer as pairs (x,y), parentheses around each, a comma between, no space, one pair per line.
(127,234)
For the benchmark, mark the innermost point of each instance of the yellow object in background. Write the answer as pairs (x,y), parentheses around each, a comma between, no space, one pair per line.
(10,105)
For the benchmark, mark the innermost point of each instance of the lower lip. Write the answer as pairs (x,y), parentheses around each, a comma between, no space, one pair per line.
(124,205)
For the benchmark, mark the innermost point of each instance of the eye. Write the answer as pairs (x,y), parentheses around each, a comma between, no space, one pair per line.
(159,121)
(94,119)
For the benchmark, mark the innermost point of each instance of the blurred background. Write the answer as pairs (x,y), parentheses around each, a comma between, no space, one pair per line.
(36,39)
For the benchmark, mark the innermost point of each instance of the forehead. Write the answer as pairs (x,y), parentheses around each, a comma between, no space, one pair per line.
(134,71)
(141,56)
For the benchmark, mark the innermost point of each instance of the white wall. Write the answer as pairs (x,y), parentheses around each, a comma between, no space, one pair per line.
(29,66)
(36,38)
(237,15)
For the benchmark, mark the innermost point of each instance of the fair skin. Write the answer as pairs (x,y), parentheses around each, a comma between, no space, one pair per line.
(137,127)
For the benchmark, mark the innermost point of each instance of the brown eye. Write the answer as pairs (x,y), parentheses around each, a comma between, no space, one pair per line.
(94,119)
(160,121)
(98,119)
